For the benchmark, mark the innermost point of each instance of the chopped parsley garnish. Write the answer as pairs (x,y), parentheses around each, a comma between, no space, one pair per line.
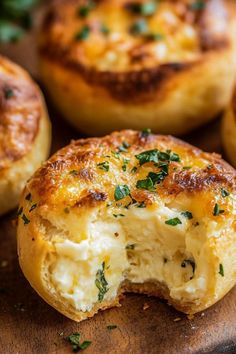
(189,262)
(116,155)
(25,219)
(33,207)
(187,168)
(221,270)
(83,34)
(84,10)
(146,9)
(74,340)
(173,222)
(101,283)
(19,211)
(187,214)
(224,193)
(110,327)
(74,173)
(8,93)
(125,163)
(130,247)
(104,29)
(198,5)
(145,132)
(104,166)
(156,156)
(147,156)
(154,36)
(124,147)
(117,215)
(121,191)
(139,27)
(145,184)
(217,211)
(134,169)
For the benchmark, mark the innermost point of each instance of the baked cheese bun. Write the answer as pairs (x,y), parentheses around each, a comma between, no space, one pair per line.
(115,64)
(130,212)
(229,131)
(24,132)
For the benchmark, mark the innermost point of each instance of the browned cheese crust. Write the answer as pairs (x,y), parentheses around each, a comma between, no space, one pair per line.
(144,74)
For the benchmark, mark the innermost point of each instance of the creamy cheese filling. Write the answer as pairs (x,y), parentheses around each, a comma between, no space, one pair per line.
(139,247)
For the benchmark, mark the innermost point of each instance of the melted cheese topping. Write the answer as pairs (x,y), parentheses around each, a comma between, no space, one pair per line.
(119,49)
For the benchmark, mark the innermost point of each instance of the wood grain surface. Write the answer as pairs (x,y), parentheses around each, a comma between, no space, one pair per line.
(29,326)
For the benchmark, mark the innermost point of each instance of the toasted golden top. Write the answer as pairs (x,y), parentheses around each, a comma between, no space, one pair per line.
(20,110)
(131,168)
(124,35)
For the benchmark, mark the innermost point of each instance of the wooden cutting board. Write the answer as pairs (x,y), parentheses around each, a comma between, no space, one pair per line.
(144,325)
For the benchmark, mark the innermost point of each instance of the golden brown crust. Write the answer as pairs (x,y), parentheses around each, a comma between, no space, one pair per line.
(67,167)
(139,81)
(20,113)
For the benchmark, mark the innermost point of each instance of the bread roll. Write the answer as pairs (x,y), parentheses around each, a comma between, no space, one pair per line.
(118,64)
(130,212)
(229,131)
(25,132)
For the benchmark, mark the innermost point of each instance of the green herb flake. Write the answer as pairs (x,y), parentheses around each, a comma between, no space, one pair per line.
(145,133)
(74,173)
(74,340)
(173,222)
(124,147)
(187,214)
(25,219)
(221,270)
(125,163)
(134,169)
(154,37)
(83,11)
(217,211)
(139,27)
(121,191)
(104,29)
(224,193)
(130,246)
(19,211)
(101,283)
(111,327)
(145,9)
(104,166)
(185,168)
(116,155)
(8,93)
(198,5)
(147,156)
(34,206)
(118,215)
(83,34)
(145,184)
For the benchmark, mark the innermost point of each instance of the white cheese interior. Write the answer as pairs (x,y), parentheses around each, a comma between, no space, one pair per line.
(156,252)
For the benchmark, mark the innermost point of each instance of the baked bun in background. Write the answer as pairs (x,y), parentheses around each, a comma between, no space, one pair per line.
(129,212)
(115,64)
(25,133)
(229,131)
